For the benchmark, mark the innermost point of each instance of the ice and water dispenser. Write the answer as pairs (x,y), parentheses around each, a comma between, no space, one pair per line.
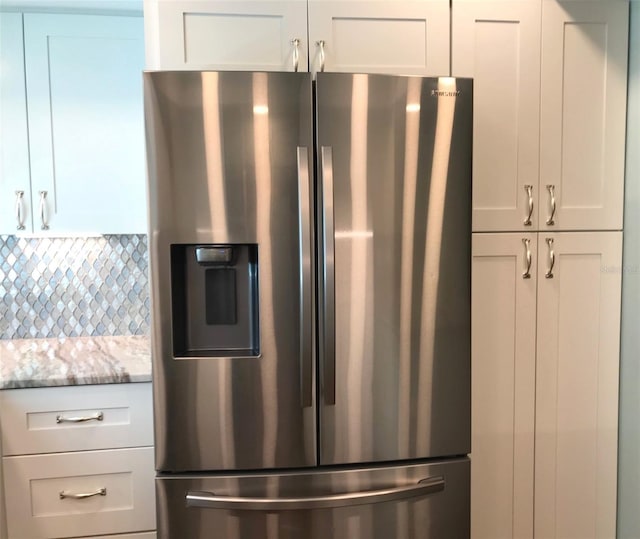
(215,300)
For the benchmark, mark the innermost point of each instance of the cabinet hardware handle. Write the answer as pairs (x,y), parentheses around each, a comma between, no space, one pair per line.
(527,248)
(552,259)
(552,196)
(296,53)
(19,210)
(81,496)
(529,190)
(43,207)
(95,417)
(321,45)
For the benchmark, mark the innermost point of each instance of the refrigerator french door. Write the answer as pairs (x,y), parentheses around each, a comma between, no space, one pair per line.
(310,275)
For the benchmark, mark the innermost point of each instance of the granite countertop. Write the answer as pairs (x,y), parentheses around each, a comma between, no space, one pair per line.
(74,361)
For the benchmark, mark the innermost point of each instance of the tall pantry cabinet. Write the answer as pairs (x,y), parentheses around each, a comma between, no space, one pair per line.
(549,128)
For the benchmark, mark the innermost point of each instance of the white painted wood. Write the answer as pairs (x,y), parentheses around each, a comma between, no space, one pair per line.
(389,36)
(577,386)
(204,34)
(37,511)
(86,133)
(582,118)
(498,44)
(29,426)
(14,142)
(503,386)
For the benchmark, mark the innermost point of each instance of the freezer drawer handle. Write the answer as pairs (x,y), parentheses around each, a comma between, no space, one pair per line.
(95,417)
(100,492)
(209,500)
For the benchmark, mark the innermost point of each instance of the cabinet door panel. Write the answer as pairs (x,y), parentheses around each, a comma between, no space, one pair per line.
(394,37)
(577,385)
(14,146)
(84,90)
(582,118)
(498,44)
(243,36)
(502,394)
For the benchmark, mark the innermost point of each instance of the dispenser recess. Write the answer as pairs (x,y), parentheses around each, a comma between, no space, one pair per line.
(214,292)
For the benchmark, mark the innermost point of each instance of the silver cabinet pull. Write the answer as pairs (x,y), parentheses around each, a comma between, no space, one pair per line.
(20,210)
(296,53)
(329,351)
(43,207)
(527,248)
(529,190)
(431,485)
(82,495)
(552,198)
(304,227)
(95,417)
(321,45)
(552,259)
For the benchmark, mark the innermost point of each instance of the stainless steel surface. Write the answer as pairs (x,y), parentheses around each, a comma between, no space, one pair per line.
(552,202)
(328,345)
(527,251)
(212,255)
(401,165)
(306,303)
(529,190)
(81,496)
(320,45)
(19,210)
(296,53)
(44,225)
(552,258)
(82,419)
(435,513)
(223,169)
(210,500)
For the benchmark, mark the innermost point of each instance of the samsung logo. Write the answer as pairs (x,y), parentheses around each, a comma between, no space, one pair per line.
(445,93)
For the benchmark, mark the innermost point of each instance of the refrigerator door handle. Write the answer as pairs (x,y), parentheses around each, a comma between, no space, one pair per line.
(329,355)
(304,227)
(431,485)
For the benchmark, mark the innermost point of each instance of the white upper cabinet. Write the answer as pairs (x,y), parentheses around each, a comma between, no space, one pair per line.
(15,183)
(583,114)
(577,374)
(549,111)
(245,36)
(396,37)
(85,119)
(498,44)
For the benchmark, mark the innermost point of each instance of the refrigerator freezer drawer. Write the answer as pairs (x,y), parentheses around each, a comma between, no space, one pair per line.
(425,501)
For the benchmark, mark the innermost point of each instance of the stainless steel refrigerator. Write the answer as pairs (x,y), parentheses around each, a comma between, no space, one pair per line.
(310,248)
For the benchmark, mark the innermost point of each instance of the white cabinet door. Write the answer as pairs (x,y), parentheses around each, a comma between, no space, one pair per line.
(503,376)
(15,183)
(86,133)
(247,36)
(577,385)
(498,44)
(582,118)
(395,37)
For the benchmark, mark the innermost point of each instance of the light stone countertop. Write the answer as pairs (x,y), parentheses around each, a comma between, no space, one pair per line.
(74,361)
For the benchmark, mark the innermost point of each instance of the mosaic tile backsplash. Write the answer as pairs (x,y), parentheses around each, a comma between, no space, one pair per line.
(73,287)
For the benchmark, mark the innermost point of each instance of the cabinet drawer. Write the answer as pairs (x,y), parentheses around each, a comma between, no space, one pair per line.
(41,420)
(35,484)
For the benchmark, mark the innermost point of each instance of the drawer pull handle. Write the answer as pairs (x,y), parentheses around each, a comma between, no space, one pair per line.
(100,492)
(95,417)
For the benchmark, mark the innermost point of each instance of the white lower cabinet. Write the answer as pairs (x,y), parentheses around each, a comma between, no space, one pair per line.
(78,462)
(545,363)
